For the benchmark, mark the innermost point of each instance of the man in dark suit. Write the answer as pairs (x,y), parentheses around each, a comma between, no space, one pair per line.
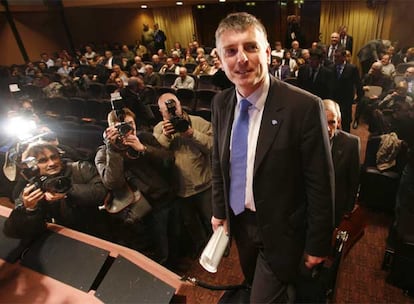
(345,150)
(278,70)
(345,83)
(277,203)
(345,40)
(314,77)
(371,52)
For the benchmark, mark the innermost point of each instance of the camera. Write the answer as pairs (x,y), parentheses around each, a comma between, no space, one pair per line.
(180,124)
(53,184)
(124,128)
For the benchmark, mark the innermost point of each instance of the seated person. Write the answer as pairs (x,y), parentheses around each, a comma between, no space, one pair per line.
(60,192)
(136,161)
(202,68)
(375,77)
(397,99)
(169,67)
(183,81)
(278,70)
(345,156)
(150,77)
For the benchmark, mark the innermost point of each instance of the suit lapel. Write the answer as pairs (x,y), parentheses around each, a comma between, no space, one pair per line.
(227,120)
(337,148)
(272,119)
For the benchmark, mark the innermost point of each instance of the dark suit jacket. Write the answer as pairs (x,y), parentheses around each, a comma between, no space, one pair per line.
(345,156)
(371,50)
(348,44)
(344,87)
(293,174)
(321,86)
(285,72)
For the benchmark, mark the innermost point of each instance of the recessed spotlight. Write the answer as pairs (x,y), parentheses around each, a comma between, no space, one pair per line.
(201,6)
(179,3)
(222,0)
(144,6)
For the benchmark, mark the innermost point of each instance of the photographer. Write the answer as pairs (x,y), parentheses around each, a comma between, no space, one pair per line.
(57,192)
(190,138)
(136,162)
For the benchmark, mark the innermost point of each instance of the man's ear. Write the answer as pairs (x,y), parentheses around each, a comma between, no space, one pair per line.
(339,123)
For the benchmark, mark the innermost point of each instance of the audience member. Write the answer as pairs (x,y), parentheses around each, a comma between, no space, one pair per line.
(159,38)
(409,78)
(44,57)
(372,52)
(127,53)
(345,40)
(345,149)
(65,69)
(295,51)
(278,51)
(169,67)
(147,39)
(387,67)
(346,84)
(314,77)
(190,138)
(135,98)
(109,60)
(278,70)
(333,46)
(177,47)
(290,62)
(156,63)
(203,68)
(89,53)
(150,77)
(183,81)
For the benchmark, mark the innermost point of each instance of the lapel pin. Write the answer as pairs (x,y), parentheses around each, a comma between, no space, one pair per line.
(274,122)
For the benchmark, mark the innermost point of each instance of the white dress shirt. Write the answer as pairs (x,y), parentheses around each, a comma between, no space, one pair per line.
(257,99)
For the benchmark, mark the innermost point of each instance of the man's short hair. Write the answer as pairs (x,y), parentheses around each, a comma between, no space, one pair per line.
(316,53)
(239,22)
(332,106)
(37,148)
(113,119)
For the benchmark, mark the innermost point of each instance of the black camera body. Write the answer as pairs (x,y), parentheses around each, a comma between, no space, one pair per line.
(179,123)
(53,184)
(124,128)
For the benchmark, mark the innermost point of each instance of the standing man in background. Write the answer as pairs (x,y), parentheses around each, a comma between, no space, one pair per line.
(159,38)
(272,168)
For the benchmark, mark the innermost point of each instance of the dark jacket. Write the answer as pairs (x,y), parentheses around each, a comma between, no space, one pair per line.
(86,194)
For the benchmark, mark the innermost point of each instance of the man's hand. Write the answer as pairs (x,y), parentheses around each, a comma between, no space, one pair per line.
(188,133)
(311,261)
(134,142)
(215,223)
(167,128)
(112,134)
(51,197)
(32,197)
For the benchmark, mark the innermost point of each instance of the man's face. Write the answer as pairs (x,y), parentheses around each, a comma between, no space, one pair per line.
(245,57)
(130,120)
(334,38)
(108,54)
(409,73)
(339,58)
(333,123)
(49,163)
(385,59)
(183,73)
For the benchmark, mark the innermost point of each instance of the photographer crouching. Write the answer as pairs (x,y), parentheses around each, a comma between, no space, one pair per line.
(64,193)
(136,169)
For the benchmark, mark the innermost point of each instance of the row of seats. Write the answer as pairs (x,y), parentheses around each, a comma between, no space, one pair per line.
(97,109)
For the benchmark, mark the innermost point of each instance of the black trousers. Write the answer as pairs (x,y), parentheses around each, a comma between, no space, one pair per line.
(266,287)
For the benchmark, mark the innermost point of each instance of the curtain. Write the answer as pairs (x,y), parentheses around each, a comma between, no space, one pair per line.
(363,23)
(177,23)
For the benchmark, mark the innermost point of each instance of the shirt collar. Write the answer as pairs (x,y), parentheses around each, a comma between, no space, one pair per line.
(258,97)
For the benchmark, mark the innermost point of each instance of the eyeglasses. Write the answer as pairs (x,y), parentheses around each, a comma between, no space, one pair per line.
(44,160)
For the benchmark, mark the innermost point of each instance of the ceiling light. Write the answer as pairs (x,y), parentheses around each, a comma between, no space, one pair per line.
(222,0)
(250,3)
(144,6)
(201,6)
(179,3)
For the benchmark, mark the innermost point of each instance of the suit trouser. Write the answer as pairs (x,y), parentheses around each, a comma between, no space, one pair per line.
(346,115)
(266,287)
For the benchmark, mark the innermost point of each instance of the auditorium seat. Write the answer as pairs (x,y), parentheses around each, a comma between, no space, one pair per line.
(187,99)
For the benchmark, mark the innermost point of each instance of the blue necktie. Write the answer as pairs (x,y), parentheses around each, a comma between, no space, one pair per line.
(239,159)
